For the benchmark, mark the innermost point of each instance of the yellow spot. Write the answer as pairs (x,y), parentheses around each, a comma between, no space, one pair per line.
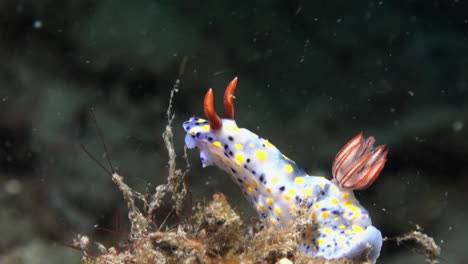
(322,185)
(268,144)
(255,183)
(288,168)
(261,155)
(351,207)
(278,211)
(336,219)
(342,227)
(317,205)
(348,232)
(272,221)
(201,120)
(235,128)
(333,189)
(293,208)
(334,201)
(268,190)
(357,229)
(287,197)
(327,230)
(261,208)
(299,180)
(274,180)
(240,158)
(345,195)
(313,216)
(238,146)
(308,192)
(217,144)
(269,201)
(219,156)
(249,188)
(237,163)
(325,214)
(292,191)
(320,242)
(192,131)
(205,128)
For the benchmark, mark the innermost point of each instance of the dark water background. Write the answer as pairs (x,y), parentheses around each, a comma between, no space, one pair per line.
(312,74)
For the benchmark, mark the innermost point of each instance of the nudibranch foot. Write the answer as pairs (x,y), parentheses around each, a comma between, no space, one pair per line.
(276,187)
(336,245)
(365,246)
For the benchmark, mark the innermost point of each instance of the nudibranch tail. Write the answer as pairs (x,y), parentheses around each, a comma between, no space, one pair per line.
(213,118)
(228,99)
(357,165)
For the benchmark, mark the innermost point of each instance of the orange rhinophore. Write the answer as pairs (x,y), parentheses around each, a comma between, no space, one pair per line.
(228,99)
(358,164)
(213,118)
(210,112)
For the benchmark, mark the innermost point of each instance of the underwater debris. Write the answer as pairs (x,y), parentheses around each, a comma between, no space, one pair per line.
(427,245)
(138,222)
(175,181)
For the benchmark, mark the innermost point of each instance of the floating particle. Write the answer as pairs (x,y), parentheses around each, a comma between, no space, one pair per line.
(457,125)
(37,24)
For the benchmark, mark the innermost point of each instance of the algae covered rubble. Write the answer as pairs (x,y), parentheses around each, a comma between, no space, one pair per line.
(213,233)
(216,234)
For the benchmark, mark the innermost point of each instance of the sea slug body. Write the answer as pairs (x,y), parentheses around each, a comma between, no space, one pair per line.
(276,187)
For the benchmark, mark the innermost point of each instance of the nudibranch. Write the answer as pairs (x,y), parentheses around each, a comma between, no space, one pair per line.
(276,186)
